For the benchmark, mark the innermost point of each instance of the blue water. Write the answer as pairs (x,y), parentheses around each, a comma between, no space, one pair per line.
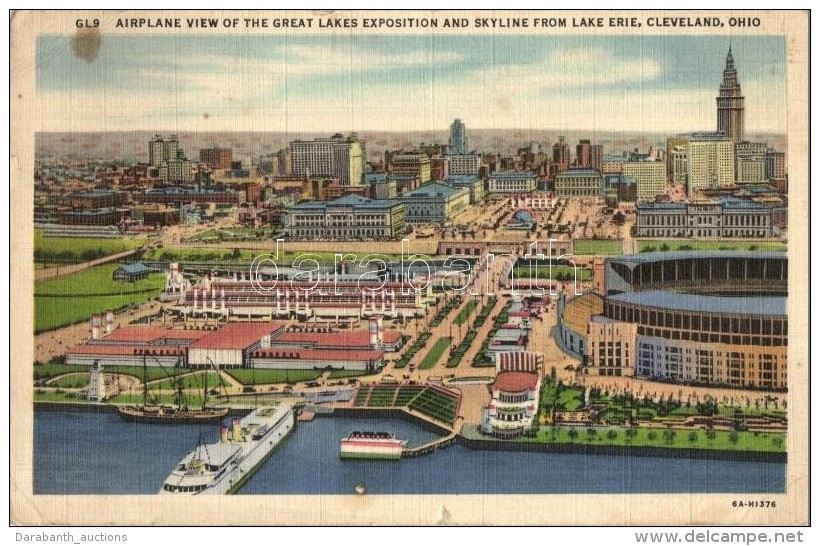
(78,452)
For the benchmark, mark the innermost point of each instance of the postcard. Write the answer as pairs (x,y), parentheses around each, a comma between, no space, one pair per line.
(409,267)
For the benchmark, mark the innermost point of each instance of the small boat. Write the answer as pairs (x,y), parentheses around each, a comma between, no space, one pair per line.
(371,445)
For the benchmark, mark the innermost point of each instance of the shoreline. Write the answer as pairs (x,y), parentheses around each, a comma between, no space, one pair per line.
(493,444)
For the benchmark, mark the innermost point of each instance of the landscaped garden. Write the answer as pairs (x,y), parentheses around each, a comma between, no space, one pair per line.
(435,353)
(627,420)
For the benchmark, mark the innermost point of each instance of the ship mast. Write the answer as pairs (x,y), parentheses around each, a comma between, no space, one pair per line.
(205,391)
(144,382)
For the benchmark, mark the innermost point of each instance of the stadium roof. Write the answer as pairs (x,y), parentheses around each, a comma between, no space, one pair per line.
(647,257)
(736,305)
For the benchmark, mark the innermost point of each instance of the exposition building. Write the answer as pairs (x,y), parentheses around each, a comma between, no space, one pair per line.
(715,318)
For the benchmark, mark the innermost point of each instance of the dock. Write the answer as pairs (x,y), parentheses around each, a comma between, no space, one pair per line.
(438,443)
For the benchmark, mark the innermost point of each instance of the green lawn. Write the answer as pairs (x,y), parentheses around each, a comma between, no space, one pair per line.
(73,381)
(262,377)
(597,247)
(557,272)
(47,371)
(438,349)
(659,437)
(341,374)
(664,246)
(191,381)
(465,313)
(58,249)
(570,399)
(74,298)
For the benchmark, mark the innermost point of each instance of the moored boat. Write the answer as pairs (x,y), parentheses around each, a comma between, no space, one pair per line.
(222,467)
(180,414)
(371,445)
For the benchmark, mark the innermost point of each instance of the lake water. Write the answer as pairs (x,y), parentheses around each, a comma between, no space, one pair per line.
(83,452)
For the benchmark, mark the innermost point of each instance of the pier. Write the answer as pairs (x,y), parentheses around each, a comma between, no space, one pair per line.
(438,443)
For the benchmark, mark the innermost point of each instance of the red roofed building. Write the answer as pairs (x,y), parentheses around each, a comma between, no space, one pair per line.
(308,359)
(122,354)
(232,345)
(150,335)
(161,346)
(514,406)
(358,339)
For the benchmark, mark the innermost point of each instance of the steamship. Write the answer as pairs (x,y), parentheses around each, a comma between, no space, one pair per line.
(223,467)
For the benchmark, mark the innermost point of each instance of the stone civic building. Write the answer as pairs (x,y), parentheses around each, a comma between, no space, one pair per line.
(349,217)
(726,216)
(435,203)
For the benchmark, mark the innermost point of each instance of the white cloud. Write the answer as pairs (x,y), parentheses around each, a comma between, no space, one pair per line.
(560,90)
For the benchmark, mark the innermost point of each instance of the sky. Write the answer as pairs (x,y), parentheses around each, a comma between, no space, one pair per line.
(343,83)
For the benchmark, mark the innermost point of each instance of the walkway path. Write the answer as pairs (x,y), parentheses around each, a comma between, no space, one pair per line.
(53,272)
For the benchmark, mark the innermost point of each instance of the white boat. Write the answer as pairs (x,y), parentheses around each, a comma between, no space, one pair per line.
(223,467)
(371,445)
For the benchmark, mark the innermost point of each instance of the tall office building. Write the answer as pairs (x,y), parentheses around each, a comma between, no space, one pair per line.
(560,154)
(730,103)
(216,157)
(161,149)
(588,155)
(337,157)
(649,175)
(458,138)
(583,153)
(710,161)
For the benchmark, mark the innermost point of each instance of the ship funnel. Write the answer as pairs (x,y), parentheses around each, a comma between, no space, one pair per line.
(236,430)
(223,433)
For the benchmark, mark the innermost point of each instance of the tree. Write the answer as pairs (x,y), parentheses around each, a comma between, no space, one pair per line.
(592,432)
(669,435)
(573,434)
(692,437)
(734,437)
(652,435)
(631,433)
(612,434)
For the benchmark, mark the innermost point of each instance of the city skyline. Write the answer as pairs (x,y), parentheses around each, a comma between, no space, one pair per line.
(347,83)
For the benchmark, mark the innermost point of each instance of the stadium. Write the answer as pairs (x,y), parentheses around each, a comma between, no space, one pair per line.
(716,318)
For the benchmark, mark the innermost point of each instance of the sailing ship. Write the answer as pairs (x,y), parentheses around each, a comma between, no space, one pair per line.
(178,414)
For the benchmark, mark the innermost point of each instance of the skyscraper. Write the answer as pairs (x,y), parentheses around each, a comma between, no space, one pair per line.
(560,154)
(162,149)
(339,157)
(458,138)
(710,161)
(730,103)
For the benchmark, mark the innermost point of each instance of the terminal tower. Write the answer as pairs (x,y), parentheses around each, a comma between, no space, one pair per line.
(730,103)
